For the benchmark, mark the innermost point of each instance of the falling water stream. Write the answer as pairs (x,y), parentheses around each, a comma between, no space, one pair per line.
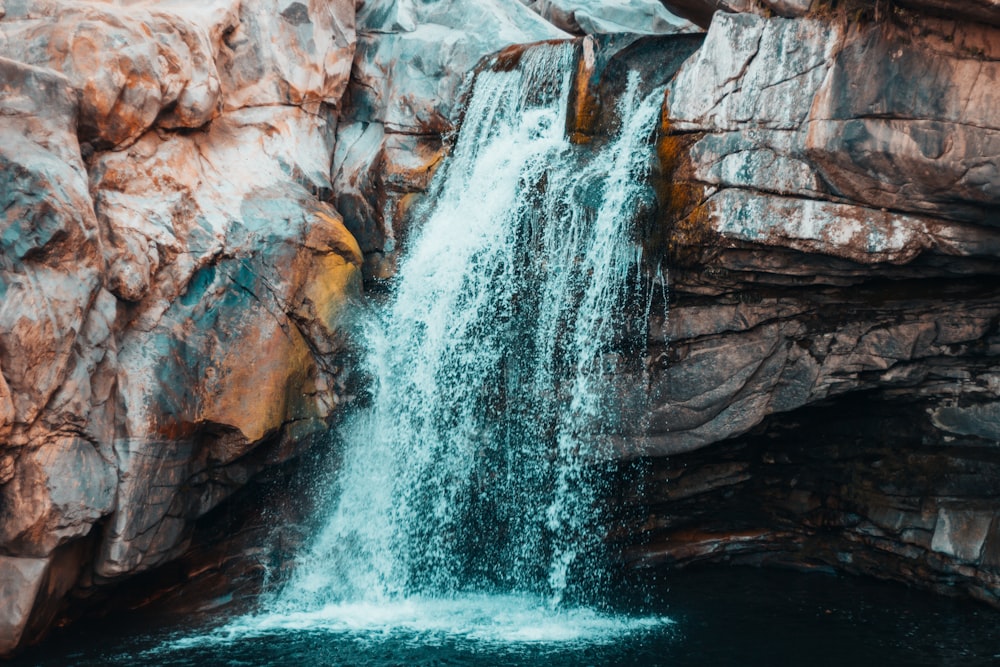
(472,477)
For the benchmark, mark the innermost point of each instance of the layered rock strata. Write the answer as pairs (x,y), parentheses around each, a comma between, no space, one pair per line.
(826,388)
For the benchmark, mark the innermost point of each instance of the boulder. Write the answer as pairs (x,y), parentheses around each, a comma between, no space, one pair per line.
(131,65)
(20,579)
(312,65)
(239,278)
(577,17)
(174,281)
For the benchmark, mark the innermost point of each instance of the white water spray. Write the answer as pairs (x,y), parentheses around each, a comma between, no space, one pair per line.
(473,472)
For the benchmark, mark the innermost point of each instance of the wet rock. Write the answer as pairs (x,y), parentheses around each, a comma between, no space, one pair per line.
(979,420)
(702,11)
(961,533)
(411,62)
(833,326)
(858,485)
(588,18)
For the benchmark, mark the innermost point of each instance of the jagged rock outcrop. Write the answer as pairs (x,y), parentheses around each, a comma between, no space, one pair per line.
(794,146)
(638,17)
(412,63)
(830,209)
(172,277)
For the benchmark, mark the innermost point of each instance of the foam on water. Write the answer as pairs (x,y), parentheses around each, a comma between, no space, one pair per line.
(485,620)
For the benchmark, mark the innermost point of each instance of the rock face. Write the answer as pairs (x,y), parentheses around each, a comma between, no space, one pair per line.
(173,276)
(826,384)
(702,11)
(639,17)
(851,188)
(411,63)
(405,92)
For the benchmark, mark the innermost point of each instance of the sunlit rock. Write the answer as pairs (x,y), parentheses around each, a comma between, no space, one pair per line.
(252,276)
(132,66)
(311,65)
(579,17)
(174,282)
(50,264)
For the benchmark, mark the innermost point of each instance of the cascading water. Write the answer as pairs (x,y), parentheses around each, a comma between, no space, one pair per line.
(472,470)
(466,498)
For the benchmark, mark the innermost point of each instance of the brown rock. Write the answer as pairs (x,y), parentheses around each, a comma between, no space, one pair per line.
(57,492)
(50,258)
(20,579)
(166,66)
(312,66)
(171,311)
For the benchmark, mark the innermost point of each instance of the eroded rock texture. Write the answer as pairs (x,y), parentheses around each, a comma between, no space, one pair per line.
(172,276)
(412,61)
(702,11)
(827,384)
(403,100)
(174,268)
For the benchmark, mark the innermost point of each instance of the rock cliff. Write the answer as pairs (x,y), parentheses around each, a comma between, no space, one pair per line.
(173,277)
(195,194)
(826,384)
(175,269)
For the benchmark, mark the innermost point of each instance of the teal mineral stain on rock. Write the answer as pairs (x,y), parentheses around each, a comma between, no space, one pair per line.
(198,286)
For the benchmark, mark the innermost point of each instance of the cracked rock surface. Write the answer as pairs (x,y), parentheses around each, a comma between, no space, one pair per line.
(825,388)
(173,279)
(190,192)
(195,193)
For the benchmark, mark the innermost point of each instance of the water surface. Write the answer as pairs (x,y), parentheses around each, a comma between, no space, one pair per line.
(719,616)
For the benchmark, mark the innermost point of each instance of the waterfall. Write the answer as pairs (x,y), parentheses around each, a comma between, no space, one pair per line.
(475,469)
